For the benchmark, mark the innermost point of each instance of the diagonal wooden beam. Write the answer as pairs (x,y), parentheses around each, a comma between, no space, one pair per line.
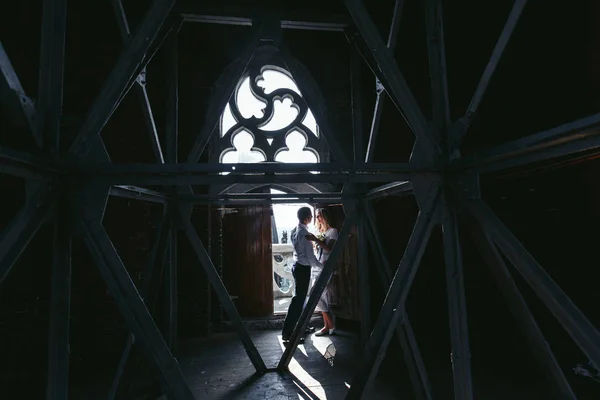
(488,72)
(50,85)
(316,292)
(220,290)
(126,69)
(19,232)
(581,330)
(404,333)
(223,91)
(518,307)
(457,305)
(380,100)
(171,24)
(148,291)
(316,103)
(140,87)
(9,80)
(437,64)
(390,314)
(390,75)
(576,136)
(133,309)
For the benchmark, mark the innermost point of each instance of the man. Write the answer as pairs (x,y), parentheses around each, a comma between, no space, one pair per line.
(304,259)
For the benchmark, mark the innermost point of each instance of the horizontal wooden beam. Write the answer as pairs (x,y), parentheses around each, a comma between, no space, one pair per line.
(305,19)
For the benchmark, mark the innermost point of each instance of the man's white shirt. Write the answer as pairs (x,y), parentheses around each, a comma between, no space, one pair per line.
(303,248)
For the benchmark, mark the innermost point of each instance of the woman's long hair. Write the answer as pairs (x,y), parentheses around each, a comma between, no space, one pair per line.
(326,217)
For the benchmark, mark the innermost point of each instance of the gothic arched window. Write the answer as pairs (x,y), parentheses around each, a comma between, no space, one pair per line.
(267,119)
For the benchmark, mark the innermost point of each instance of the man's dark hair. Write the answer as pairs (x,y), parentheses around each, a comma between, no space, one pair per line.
(303,214)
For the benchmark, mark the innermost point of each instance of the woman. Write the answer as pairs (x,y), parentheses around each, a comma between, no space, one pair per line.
(324,244)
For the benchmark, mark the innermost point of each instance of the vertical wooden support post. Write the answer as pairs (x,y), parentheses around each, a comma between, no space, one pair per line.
(171,146)
(357,105)
(47,135)
(170,282)
(60,308)
(364,289)
(50,88)
(457,307)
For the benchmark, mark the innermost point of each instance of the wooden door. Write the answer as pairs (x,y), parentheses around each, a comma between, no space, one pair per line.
(343,285)
(247,269)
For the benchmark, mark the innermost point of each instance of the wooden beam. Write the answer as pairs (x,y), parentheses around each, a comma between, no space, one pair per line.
(149,292)
(488,72)
(219,288)
(171,288)
(317,291)
(224,88)
(133,309)
(519,308)
(21,229)
(50,85)
(60,307)
(380,100)
(437,65)
(16,94)
(389,74)
(316,102)
(390,314)
(457,305)
(140,87)
(404,333)
(126,69)
(303,19)
(356,96)
(581,330)
(364,286)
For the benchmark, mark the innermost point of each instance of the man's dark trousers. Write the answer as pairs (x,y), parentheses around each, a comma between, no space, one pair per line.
(302,279)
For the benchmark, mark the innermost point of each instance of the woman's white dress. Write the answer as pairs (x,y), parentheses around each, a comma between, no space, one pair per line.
(323,255)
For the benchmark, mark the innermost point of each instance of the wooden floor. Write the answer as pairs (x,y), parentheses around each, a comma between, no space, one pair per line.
(322,368)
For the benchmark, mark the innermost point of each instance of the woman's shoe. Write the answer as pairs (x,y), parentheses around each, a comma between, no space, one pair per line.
(322,332)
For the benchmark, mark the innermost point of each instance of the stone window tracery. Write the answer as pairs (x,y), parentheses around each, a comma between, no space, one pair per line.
(267,119)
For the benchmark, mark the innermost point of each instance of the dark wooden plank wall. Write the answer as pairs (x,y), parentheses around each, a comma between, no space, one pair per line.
(247,260)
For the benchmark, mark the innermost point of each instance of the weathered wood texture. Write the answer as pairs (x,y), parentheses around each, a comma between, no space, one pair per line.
(247,264)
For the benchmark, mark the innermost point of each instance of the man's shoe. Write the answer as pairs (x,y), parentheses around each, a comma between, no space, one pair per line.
(310,329)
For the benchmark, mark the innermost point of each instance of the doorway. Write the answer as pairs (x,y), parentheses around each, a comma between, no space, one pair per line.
(283,220)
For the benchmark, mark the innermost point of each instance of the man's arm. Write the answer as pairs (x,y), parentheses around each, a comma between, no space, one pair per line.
(310,254)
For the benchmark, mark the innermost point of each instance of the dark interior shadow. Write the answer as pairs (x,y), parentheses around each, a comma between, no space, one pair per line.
(243,387)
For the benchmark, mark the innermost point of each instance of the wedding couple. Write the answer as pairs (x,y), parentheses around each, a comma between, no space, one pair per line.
(308,266)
